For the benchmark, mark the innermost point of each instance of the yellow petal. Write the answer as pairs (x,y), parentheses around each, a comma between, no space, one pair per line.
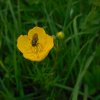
(23,44)
(35,57)
(36,30)
(49,43)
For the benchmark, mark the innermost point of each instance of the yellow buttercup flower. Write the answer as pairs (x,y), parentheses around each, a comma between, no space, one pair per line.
(36,45)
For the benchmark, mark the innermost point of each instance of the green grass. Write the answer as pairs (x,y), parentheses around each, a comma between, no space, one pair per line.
(71,71)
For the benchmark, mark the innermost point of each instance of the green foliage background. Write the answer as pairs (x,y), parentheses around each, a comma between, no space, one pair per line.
(72,69)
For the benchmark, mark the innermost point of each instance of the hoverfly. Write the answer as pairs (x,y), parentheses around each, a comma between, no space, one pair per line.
(34,39)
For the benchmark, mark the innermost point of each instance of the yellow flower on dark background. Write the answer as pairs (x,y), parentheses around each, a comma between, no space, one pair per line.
(36,45)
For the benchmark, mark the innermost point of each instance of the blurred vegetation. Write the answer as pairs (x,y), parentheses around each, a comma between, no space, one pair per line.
(72,69)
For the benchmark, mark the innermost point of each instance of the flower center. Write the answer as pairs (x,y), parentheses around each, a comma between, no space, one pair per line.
(37,49)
